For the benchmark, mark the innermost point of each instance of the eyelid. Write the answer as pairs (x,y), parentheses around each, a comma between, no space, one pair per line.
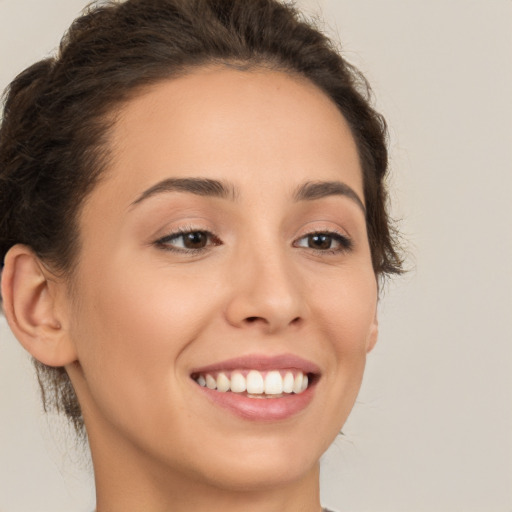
(163,241)
(345,241)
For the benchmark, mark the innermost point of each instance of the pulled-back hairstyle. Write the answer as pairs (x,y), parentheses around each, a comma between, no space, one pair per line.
(57,115)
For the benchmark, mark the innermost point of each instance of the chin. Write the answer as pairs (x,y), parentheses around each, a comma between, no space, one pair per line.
(263,462)
(264,472)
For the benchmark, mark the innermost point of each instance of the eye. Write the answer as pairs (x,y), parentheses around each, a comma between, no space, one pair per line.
(188,241)
(328,242)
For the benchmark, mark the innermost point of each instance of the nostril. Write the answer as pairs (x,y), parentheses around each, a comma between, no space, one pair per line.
(255,319)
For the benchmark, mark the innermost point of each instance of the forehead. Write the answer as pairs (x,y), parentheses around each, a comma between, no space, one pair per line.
(246,127)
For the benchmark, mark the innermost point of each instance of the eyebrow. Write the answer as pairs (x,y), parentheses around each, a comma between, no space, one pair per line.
(319,189)
(308,191)
(198,186)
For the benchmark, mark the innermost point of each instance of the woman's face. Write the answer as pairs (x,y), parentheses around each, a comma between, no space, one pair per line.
(226,244)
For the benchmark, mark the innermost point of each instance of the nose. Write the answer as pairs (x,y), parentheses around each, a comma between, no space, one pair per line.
(266,293)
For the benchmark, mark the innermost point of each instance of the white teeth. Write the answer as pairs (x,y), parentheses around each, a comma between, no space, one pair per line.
(273,383)
(223,383)
(288,382)
(297,384)
(211,383)
(238,384)
(255,384)
(304,383)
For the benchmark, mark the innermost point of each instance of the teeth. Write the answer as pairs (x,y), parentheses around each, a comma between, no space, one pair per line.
(211,383)
(238,384)
(256,384)
(288,382)
(273,383)
(223,383)
(297,383)
(304,383)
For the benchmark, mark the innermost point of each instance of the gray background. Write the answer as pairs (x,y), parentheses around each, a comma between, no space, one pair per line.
(432,428)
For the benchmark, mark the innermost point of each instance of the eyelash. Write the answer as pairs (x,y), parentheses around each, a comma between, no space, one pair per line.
(163,243)
(345,243)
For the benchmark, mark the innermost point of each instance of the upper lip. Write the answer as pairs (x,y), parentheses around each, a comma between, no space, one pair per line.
(262,363)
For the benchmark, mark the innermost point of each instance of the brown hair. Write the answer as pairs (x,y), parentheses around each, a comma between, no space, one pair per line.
(57,113)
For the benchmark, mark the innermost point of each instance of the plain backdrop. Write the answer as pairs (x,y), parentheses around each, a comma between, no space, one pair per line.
(432,427)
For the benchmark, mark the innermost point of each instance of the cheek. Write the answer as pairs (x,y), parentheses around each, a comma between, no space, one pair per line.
(131,330)
(147,307)
(344,319)
(348,322)
(349,310)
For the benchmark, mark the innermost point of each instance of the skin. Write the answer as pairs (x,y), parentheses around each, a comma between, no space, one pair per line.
(146,316)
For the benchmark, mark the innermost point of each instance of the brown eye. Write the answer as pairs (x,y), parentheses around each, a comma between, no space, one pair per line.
(320,241)
(195,240)
(188,241)
(329,242)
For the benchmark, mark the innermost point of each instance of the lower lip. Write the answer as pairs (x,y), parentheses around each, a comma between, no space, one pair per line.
(260,409)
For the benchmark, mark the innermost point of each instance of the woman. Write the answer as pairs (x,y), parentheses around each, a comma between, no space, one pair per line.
(193,229)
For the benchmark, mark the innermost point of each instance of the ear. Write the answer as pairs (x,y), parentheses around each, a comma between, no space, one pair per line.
(373,334)
(32,300)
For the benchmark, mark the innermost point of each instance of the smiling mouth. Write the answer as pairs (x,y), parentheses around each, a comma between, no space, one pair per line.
(255,383)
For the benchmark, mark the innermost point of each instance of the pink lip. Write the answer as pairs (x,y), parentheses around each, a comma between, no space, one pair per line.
(261,409)
(261,363)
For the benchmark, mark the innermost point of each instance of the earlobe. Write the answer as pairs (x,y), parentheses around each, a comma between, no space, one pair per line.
(31,309)
(373,334)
